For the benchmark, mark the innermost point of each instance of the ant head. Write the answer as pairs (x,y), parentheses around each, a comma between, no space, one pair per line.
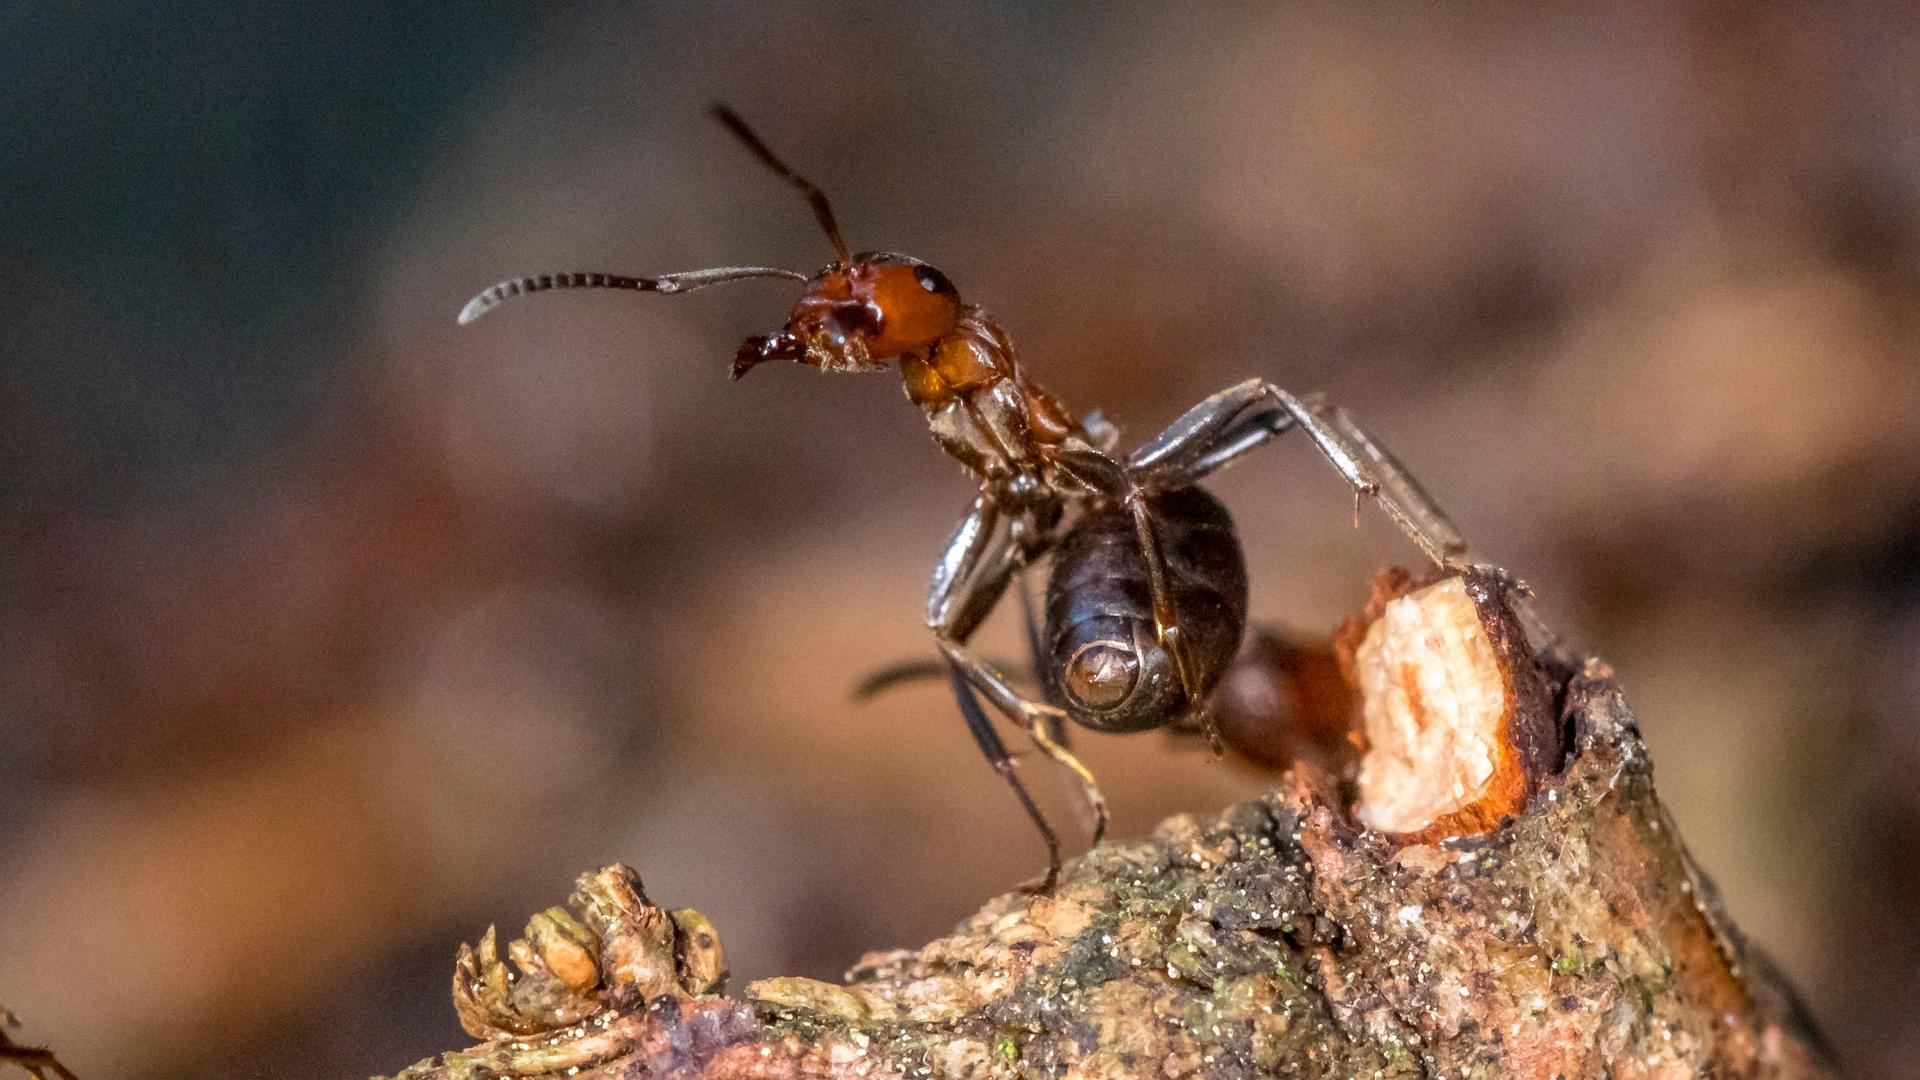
(857,316)
(862,310)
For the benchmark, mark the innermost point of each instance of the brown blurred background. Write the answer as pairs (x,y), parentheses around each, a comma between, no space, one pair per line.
(329,634)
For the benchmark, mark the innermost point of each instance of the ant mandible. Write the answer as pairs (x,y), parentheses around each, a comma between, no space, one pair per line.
(1147,588)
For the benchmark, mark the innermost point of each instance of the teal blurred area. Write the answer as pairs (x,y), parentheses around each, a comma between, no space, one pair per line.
(330,633)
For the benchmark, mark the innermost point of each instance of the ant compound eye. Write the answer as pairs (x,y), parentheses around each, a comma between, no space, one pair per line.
(932,280)
(1101,675)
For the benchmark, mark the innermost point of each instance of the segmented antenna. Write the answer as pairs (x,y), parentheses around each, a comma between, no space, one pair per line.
(666,283)
(822,210)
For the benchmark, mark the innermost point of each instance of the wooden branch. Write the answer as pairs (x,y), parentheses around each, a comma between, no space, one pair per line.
(1523,909)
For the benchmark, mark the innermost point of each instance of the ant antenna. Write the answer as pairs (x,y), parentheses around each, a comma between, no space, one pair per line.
(822,211)
(668,283)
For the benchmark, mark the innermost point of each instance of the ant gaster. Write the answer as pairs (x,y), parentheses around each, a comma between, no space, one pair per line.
(1147,590)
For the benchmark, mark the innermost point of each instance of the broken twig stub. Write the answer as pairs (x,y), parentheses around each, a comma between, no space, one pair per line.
(1549,925)
(1460,727)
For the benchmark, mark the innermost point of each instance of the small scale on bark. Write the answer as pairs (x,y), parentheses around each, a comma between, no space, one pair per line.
(1505,898)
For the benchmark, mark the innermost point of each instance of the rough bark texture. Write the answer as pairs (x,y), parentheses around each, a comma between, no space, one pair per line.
(1278,938)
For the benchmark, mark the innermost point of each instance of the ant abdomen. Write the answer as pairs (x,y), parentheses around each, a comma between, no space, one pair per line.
(1106,664)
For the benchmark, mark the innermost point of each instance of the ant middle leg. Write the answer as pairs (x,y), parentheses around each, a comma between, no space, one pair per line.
(915,669)
(1166,612)
(38,1062)
(1037,660)
(1243,417)
(1040,720)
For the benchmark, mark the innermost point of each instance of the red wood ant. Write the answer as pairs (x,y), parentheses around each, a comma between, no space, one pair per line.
(1147,592)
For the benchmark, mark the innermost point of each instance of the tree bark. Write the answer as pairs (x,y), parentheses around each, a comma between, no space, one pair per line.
(1571,938)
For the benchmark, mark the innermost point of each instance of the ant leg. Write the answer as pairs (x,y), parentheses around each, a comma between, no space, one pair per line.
(996,752)
(1037,718)
(37,1062)
(1380,474)
(1166,614)
(1219,431)
(1030,624)
(949,604)
(1112,480)
(954,602)
(973,574)
(1037,658)
(1246,435)
(901,672)
(1047,734)
(1231,417)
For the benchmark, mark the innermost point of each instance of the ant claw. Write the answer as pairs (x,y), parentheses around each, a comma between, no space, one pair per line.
(1045,885)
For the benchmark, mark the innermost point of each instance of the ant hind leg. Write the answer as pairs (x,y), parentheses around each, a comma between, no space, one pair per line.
(1166,613)
(1248,415)
(1415,511)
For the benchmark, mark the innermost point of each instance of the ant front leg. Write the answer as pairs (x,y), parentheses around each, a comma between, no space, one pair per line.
(1242,418)
(980,561)
(1037,661)
(899,672)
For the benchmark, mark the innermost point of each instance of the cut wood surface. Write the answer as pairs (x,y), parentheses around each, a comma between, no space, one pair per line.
(1505,898)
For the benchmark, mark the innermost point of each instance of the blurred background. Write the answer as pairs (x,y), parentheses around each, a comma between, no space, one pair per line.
(329,633)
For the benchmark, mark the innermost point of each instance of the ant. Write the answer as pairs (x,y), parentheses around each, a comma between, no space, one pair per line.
(1147,590)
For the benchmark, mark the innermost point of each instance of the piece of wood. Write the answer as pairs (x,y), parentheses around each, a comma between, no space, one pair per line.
(1571,937)
(1459,724)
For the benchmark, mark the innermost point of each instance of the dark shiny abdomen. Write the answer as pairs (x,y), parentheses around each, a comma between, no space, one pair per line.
(1098,591)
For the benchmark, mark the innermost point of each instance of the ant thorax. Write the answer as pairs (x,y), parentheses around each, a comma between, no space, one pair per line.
(981,408)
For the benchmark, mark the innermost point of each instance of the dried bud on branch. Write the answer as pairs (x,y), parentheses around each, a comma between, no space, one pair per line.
(562,1009)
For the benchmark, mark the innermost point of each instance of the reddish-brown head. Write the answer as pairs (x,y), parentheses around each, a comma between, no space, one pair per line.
(858,316)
